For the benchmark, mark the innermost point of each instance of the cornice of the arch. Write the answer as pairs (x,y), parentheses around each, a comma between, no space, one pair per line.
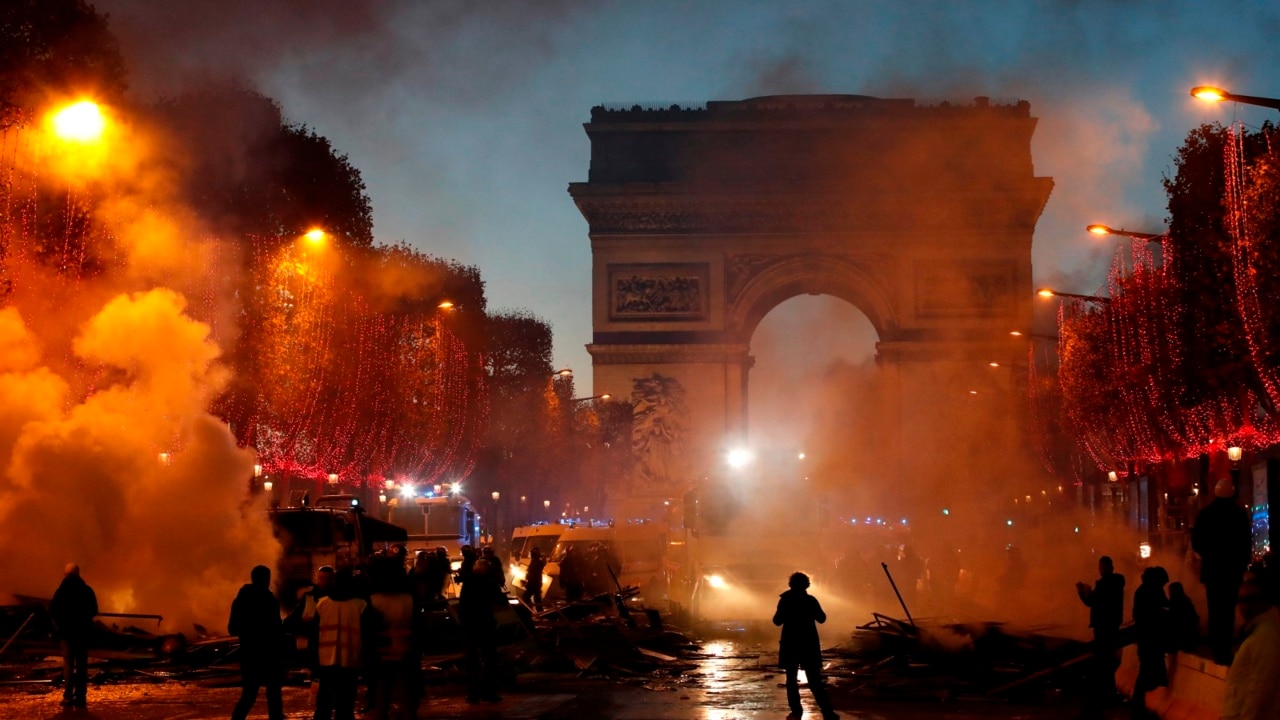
(757,283)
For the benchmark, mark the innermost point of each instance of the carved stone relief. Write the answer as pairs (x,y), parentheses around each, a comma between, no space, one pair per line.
(658,292)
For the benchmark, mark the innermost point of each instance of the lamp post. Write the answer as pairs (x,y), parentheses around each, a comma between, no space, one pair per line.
(1216,94)
(1051,293)
(602,396)
(1098,229)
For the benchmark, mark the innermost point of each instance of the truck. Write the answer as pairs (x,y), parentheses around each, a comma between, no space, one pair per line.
(447,520)
(335,531)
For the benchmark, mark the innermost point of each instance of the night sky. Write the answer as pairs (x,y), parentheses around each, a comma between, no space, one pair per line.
(465,117)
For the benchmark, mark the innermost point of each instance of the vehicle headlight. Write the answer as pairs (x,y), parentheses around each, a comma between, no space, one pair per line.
(716,581)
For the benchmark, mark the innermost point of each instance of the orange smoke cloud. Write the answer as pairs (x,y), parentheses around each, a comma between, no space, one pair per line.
(83,483)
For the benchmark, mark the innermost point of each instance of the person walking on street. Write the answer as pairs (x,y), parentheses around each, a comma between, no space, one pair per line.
(495,567)
(72,610)
(1253,680)
(255,619)
(1222,538)
(1105,601)
(479,597)
(532,594)
(1151,620)
(341,616)
(799,648)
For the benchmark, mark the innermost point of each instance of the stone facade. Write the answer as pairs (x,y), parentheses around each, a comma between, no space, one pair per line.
(703,220)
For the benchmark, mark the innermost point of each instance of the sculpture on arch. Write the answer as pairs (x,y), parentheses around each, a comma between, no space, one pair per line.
(659,432)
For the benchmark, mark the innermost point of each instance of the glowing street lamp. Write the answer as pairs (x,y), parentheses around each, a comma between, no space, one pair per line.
(602,396)
(1234,453)
(1105,230)
(495,495)
(333,478)
(267,485)
(445,305)
(80,122)
(315,236)
(546,504)
(563,373)
(1051,293)
(1209,93)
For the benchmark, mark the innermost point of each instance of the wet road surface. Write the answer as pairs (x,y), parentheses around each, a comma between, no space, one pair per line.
(731,680)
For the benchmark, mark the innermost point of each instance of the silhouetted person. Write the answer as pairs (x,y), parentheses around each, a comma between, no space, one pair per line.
(396,653)
(799,648)
(909,570)
(1106,613)
(496,572)
(1151,622)
(302,619)
(571,574)
(1253,681)
(479,598)
(469,557)
(255,619)
(438,573)
(340,650)
(532,594)
(1184,621)
(1223,540)
(72,610)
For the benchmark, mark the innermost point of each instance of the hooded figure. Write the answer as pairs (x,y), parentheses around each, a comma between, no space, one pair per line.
(72,609)
(255,618)
(799,648)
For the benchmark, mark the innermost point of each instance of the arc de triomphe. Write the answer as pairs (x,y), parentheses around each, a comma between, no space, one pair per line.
(702,220)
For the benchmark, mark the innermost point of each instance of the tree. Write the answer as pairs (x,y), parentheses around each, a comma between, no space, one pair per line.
(52,49)
(251,173)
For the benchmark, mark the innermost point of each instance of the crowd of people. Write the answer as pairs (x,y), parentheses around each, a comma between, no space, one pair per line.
(368,628)
(353,627)
(1167,622)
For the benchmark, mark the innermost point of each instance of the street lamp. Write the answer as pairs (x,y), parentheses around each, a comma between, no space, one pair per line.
(315,236)
(1050,293)
(602,396)
(80,122)
(564,374)
(1216,94)
(495,495)
(738,458)
(1234,453)
(1105,230)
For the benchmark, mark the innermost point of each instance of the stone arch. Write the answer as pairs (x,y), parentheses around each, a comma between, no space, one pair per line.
(777,279)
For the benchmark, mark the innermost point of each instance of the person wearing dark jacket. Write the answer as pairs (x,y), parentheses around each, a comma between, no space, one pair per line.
(1105,601)
(1184,621)
(255,619)
(532,594)
(799,648)
(479,598)
(1151,621)
(72,610)
(1222,538)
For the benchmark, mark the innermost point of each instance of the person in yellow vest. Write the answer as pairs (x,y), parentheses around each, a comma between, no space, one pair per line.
(340,644)
(397,652)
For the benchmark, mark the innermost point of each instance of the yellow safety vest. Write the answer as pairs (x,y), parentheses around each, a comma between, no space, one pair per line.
(339,641)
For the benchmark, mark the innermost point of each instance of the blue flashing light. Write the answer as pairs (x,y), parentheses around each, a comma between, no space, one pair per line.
(904,521)
(431,493)
(853,521)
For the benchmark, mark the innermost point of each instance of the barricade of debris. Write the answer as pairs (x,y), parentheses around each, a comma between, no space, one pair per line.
(606,636)
(890,658)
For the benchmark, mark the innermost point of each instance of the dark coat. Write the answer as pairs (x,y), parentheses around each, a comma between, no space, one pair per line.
(1224,540)
(1151,620)
(477,601)
(533,576)
(73,608)
(255,619)
(799,614)
(1106,602)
